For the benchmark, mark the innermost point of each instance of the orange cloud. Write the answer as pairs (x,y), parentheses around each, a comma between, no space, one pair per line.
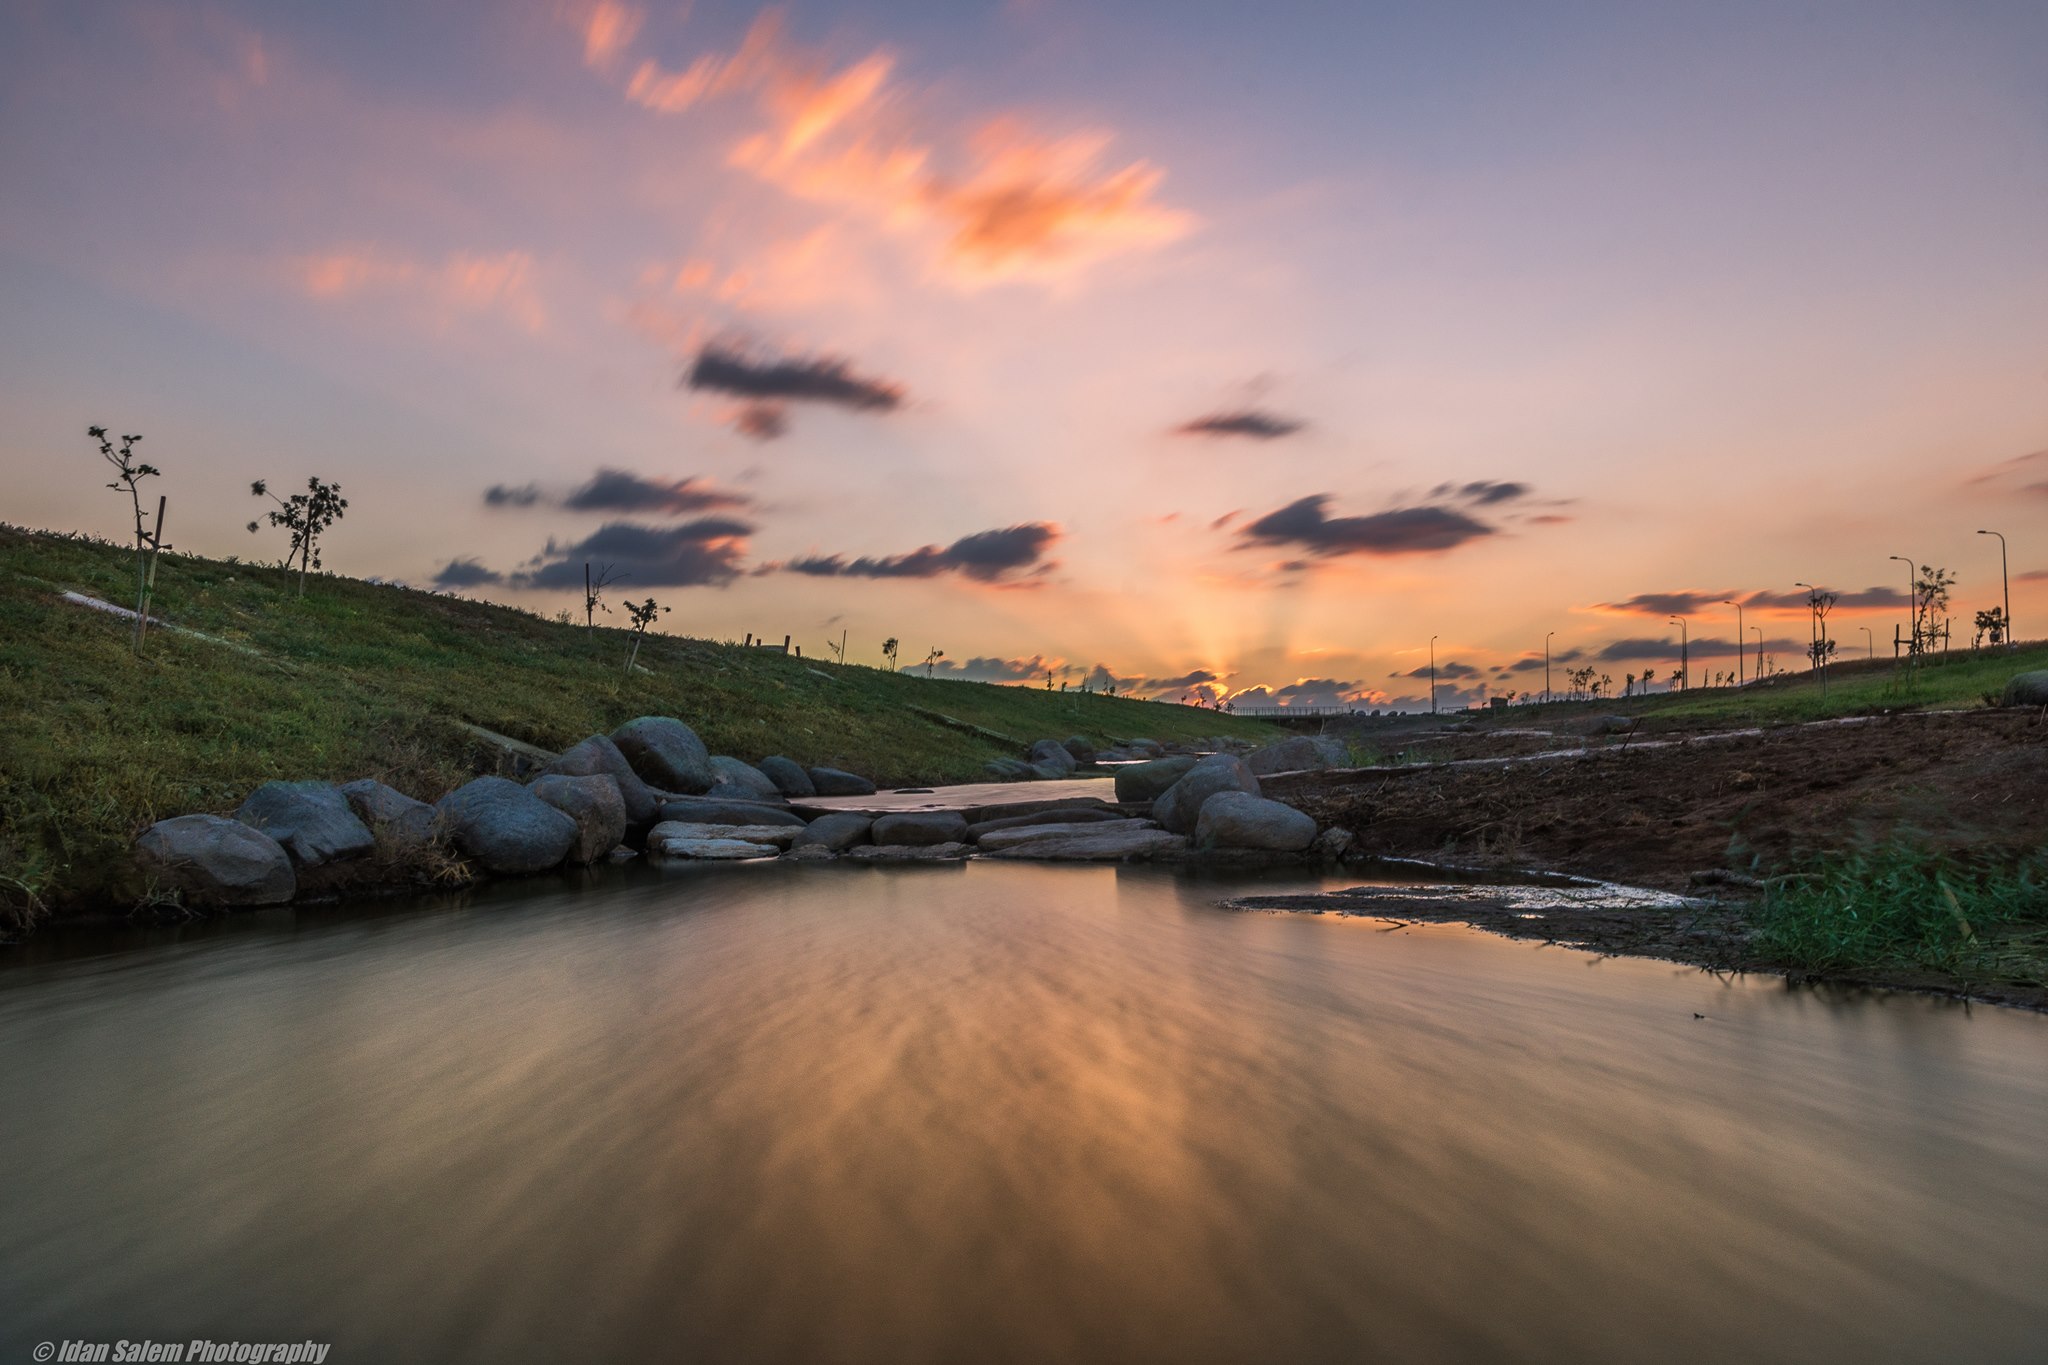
(608,29)
(1021,205)
(464,282)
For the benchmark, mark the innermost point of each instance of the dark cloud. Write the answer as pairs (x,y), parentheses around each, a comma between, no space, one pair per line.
(1652,650)
(2031,576)
(1672,603)
(1192,678)
(1868,599)
(707,551)
(814,379)
(1486,493)
(1259,426)
(763,421)
(1691,602)
(1451,669)
(1404,530)
(991,669)
(1526,665)
(505,495)
(466,573)
(986,556)
(617,490)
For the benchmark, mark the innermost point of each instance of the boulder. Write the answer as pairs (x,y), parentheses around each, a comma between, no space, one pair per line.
(731,772)
(833,782)
(1150,748)
(1064,815)
(909,853)
(1008,770)
(666,753)
(837,832)
(1231,819)
(1113,844)
(920,827)
(313,820)
(1145,781)
(1079,747)
(1050,753)
(704,810)
(1178,806)
(998,839)
(710,850)
(788,776)
(599,755)
(2027,689)
(1333,843)
(594,803)
(403,822)
(776,836)
(1049,772)
(506,828)
(212,860)
(1298,754)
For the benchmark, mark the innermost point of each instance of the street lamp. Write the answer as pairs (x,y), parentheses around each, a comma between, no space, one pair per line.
(2004,579)
(1759,652)
(1432,675)
(1684,663)
(1869,643)
(1912,603)
(1546,664)
(1731,602)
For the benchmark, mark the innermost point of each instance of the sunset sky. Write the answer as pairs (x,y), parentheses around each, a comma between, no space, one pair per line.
(1224,345)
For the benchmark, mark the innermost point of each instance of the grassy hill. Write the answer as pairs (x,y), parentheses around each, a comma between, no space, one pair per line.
(359,679)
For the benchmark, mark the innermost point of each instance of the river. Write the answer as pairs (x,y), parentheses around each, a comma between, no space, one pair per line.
(993,1112)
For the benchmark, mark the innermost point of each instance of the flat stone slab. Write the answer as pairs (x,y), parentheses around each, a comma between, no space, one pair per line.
(909,853)
(1097,845)
(995,840)
(712,850)
(780,836)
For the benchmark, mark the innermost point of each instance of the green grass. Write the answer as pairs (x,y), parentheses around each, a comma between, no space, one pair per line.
(1899,908)
(1962,681)
(361,679)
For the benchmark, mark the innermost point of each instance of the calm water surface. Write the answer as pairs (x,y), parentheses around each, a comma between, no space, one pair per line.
(995,1113)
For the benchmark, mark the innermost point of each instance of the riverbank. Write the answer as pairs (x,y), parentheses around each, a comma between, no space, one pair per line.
(241,682)
(1788,842)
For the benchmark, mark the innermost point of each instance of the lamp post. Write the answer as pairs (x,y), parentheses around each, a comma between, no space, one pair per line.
(1912,603)
(2010,638)
(1684,657)
(1869,643)
(1546,664)
(1759,652)
(1432,675)
(1731,602)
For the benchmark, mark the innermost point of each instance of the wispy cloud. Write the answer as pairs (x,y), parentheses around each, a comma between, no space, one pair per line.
(814,379)
(709,551)
(1404,530)
(1006,555)
(501,284)
(1247,422)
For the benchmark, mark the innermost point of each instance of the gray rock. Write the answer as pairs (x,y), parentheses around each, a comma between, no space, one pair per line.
(1334,843)
(1149,748)
(998,839)
(313,820)
(731,771)
(599,755)
(788,776)
(838,831)
(212,860)
(405,823)
(704,810)
(506,828)
(1178,807)
(1240,820)
(594,803)
(833,782)
(736,791)
(1145,781)
(1049,772)
(1099,845)
(666,753)
(1050,753)
(1008,770)
(776,836)
(1297,754)
(920,827)
(2027,689)
(1079,747)
(909,853)
(1059,815)
(710,850)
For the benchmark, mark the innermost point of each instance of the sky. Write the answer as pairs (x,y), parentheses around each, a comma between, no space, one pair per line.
(1212,350)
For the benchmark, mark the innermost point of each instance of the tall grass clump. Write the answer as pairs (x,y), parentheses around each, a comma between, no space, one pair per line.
(1905,907)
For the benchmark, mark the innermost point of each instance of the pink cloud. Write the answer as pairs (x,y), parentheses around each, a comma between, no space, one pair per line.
(462,282)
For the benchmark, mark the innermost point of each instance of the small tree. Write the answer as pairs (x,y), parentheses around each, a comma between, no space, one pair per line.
(889,648)
(307,516)
(594,585)
(128,476)
(1930,599)
(1649,676)
(932,658)
(643,614)
(1990,624)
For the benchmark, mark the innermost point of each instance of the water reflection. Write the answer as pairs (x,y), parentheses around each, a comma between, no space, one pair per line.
(997,1112)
